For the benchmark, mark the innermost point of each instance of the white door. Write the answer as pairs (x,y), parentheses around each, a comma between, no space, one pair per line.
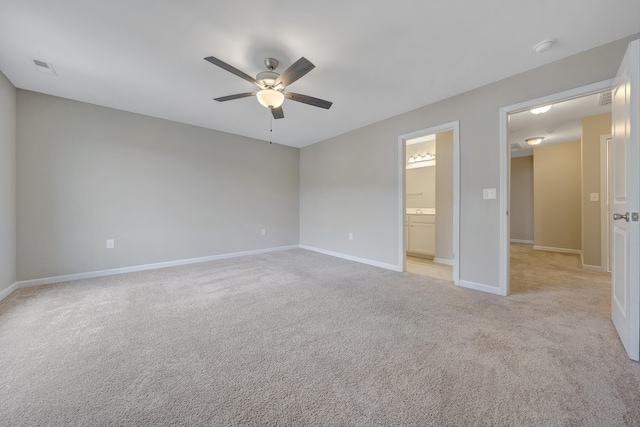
(625,287)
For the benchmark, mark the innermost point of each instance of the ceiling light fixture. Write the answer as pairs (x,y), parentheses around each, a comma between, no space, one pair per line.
(541,110)
(421,158)
(270,98)
(534,141)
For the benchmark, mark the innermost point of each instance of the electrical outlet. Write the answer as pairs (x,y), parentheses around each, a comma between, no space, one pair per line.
(350,236)
(111,244)
(264,231)
(594,197)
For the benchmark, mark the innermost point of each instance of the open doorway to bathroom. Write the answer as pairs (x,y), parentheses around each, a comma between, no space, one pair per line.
(428,177)
(429,204)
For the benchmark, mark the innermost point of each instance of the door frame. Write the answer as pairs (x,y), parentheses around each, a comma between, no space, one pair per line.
(505,164)
(402,197)
(605,202)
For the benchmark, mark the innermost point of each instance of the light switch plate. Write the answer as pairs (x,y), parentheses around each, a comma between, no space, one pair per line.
(489,193)
(594,197)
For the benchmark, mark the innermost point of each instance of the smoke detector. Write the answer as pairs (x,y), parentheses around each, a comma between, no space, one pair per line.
(543,46)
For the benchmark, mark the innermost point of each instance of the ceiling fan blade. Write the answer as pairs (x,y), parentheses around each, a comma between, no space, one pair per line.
(277,113)
(231,69)
(316,102)
(298,69)
(236,96)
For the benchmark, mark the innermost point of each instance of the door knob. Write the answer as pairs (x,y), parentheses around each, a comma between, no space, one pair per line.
(617,216)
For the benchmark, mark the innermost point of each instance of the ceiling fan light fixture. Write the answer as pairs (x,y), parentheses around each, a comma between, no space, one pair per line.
(534,141)
(270,98)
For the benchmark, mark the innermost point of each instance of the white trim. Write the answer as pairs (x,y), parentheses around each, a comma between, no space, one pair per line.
(353,258)
(110,272)
(6,292)
(593,268)
(505,150)
(481,287)
(524,242)
(560,250)
(604,201)
(443,261)
(455,127)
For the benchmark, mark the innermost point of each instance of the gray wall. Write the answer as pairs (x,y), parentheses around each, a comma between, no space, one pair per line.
(164,191)
(341,192)
(7,183)
(521,202)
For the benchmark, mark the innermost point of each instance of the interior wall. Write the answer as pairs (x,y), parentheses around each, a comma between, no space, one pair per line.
(421,187)
(592,128)
(7,183)
(444,195)
(341,191)
(556,192)
(521,209)
(164,191)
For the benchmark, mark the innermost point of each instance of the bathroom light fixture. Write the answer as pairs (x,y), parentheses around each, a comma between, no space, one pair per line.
(270,98)
(541,110)
(534,141)
(421,158)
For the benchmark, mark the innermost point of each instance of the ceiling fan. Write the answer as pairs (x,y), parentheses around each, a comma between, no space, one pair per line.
(272,85)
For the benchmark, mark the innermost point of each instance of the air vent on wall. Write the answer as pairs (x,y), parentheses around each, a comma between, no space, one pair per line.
(44,67)
(605,99)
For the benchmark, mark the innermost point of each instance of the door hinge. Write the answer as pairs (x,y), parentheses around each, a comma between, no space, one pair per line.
(634,216)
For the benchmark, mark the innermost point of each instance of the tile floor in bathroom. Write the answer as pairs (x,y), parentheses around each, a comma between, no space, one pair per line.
(427,267)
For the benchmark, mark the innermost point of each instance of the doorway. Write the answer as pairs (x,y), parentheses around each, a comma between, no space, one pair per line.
(445,221)
(429,232)
(559,178)
(505,165)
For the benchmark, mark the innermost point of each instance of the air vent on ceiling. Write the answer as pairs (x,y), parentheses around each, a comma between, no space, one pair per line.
(515,146)
(44,67)
(605,99)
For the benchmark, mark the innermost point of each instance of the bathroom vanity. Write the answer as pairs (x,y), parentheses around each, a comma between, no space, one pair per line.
(421,232)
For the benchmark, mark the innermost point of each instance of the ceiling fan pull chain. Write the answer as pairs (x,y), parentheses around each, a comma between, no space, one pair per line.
(270,128)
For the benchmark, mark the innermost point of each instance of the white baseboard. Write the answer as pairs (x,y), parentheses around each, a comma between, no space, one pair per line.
(353,258)
(593,268)
(443,261)
(560,250)
(6,292)
(480,287)
(110,272)
(524,242)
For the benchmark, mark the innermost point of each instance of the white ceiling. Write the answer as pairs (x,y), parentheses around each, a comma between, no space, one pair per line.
(374,60)
(563,123)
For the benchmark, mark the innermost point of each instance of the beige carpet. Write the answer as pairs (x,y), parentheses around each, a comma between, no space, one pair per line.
(299,338)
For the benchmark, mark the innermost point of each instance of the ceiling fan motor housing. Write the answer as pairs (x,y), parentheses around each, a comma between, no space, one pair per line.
(267,78)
